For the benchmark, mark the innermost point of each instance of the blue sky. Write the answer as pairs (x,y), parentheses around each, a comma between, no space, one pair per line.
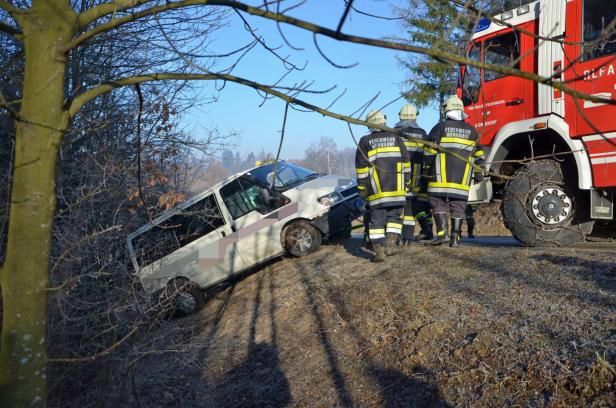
(237,108)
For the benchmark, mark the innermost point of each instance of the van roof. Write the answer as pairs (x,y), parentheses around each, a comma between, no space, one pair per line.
(173,211)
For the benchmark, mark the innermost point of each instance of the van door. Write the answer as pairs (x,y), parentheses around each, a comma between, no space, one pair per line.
(192,243)
(257,215)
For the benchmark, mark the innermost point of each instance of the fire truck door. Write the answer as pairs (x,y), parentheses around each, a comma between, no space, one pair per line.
(595,73)
(504,97)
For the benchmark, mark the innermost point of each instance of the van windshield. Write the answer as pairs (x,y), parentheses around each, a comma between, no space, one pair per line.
(288,175)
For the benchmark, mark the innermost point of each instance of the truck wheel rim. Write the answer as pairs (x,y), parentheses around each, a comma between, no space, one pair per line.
(302,240)
(551,206)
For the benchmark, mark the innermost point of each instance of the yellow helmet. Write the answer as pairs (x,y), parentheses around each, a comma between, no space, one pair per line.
(408,112)
(453,103)
(376,117)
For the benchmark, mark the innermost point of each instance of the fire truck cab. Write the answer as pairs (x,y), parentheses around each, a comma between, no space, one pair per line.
(556,152)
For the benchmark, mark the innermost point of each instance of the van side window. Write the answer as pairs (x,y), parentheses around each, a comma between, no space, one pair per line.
(502,50)
(598,14)
(189,224)
(243,195)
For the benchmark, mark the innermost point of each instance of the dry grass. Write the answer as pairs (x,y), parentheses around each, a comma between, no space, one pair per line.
(431,327)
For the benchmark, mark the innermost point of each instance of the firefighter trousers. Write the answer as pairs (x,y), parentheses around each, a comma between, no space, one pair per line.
(415,211)
(386,220)
(455,206)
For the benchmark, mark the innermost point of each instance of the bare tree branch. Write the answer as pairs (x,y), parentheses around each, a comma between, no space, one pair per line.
(9,29)
(387,44)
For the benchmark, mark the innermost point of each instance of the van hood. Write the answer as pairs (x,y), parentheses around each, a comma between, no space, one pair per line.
(335,183)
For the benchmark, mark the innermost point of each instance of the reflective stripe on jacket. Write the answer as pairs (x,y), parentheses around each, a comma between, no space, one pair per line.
(411,130)
(383,167)
(450,176)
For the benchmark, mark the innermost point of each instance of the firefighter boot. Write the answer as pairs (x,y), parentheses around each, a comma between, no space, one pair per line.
(379,252)
(426,230)
(470,227)
(408,234)
(440,219)
(391,241)
(456,227)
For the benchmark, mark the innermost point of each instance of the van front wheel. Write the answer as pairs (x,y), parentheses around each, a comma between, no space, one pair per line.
(301,239)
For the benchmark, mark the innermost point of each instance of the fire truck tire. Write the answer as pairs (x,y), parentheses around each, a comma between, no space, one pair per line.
(301,238)
(540,209)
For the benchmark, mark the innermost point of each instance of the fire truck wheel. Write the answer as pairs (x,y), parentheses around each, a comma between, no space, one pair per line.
(186,295)
(540,209)
(301,238)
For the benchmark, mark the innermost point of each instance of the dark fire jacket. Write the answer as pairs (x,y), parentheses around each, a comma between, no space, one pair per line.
(449,176)
(416,151)
(382,164)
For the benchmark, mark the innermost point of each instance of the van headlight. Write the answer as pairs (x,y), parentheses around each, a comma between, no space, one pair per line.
(330,199)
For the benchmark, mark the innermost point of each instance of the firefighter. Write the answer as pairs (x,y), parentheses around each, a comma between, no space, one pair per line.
(449,176)
(382,163)
(417,208)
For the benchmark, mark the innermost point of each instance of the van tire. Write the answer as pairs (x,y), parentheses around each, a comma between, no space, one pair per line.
(187,297)
(301,238)
(523,206)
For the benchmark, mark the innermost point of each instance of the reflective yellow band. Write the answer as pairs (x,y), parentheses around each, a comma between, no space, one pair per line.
(429,150)
(458,140)
(440,233)
(376,230)
(362,170)
(413,144)
(393,225)
(361,187)
(408,218)
(478,153)
(388,194)
(443,161)
(384,150)
(457,186)
(467,175)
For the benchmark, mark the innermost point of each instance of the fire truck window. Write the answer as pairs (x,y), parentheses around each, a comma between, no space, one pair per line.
(472,80)
(598,15)
(502,50)
(189,224)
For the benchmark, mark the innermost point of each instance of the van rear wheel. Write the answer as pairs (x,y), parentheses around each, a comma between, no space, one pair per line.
(301,238)
(186,296)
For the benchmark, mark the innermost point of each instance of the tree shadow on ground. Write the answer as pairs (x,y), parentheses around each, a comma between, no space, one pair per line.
(258,381)
(603,274)
(399,390)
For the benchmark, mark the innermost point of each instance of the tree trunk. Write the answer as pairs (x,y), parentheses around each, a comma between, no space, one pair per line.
(24,276)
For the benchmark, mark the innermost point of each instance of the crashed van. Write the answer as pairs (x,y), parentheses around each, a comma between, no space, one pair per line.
(251,217)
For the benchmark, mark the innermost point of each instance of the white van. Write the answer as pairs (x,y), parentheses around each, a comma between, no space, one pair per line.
(246,219)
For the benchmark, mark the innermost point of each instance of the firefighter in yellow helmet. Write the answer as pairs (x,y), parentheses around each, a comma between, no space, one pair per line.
(449,176)
(381,164)
(417,208)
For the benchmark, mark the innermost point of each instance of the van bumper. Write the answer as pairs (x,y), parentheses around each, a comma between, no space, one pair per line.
(339,217)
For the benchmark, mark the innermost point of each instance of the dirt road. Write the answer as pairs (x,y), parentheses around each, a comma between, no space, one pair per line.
(489,324)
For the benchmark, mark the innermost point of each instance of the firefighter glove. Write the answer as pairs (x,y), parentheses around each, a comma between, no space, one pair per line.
(362,191)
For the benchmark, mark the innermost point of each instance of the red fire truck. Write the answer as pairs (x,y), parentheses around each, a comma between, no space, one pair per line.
(558,153)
